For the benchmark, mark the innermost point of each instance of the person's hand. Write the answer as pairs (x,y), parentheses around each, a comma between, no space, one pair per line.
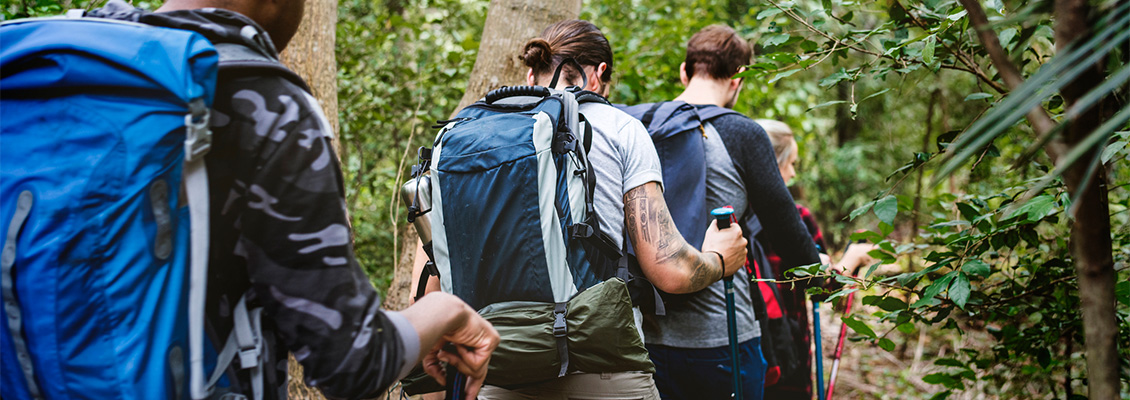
(856,256)
(727,242)
(474,341)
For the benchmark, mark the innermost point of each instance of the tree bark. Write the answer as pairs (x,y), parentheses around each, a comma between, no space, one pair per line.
(1090,230)
(311,55)
(509,24)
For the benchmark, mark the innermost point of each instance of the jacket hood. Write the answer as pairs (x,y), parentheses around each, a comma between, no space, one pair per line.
(216,24)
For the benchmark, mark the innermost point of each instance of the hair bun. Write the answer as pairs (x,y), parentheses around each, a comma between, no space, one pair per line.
(537,54)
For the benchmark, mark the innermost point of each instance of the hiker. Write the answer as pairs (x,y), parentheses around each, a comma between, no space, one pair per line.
(280,234)
(627,201)
(690,345)
(798,385)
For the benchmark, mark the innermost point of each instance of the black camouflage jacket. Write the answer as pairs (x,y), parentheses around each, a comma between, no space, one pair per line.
(280,228)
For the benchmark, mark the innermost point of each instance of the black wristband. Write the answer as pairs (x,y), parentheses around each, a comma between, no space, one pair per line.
(721,260)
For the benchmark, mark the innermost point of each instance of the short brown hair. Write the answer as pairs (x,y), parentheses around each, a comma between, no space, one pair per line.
(577,39)
(718,52)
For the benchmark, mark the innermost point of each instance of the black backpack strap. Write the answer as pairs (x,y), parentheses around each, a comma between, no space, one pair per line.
(591,224)
(710,112)
(588,96)
(650,114)
(429,271)
(237,60)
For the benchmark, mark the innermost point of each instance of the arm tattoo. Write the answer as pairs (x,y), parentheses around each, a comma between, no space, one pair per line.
(649,221)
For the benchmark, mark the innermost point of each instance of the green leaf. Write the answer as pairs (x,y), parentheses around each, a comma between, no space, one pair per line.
(1036,208)
(959,290)
(783,74)
(928,50)
(1122,292)
(862,209)
(892,304)
(1113,150)
(949,362)
(906,328)
(886,209)
(858,326)
(977,267)
(872,269)
(775,40)
(946,394)
(886,344)
(875,94)
(840,293)
(938,378)
(978,96)
(768,12)
(825,104)
(933,290)
(1006,37)
(834,78)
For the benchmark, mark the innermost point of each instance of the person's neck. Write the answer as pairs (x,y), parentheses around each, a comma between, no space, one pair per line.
(706,91)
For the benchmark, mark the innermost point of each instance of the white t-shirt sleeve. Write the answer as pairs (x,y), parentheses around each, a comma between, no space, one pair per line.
(641,162)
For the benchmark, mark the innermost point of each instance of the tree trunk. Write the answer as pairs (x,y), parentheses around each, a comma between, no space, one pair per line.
(1090,230)
(311,55)
(510,23)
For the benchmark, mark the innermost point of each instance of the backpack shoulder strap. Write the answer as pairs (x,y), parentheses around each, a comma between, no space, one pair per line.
(710,112)
(587,96)
(240,60)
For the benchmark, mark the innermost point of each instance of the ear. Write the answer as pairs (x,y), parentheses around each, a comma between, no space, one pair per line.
(594,82)
(735,84)
(530,80)
(683,74)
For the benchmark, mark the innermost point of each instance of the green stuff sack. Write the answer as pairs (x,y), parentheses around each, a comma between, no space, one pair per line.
(601,334)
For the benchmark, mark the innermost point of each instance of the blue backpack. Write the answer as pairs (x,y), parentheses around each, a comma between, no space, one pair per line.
(506,198)
(676,128)
(105,125)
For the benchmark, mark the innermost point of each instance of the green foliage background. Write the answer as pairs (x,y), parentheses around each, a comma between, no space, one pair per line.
(975,260)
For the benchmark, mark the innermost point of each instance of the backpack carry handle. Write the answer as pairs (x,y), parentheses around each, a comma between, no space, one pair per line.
(509,91)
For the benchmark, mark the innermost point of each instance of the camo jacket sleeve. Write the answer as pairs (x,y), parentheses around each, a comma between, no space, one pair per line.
(282,214)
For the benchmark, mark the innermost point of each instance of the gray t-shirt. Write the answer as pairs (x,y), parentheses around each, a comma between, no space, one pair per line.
(623,158)
(700,322)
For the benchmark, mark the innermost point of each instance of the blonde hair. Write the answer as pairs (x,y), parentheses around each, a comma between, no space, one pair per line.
(781,136)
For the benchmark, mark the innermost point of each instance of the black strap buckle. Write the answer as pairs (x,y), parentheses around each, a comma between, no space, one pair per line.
(559,327)
(581,230)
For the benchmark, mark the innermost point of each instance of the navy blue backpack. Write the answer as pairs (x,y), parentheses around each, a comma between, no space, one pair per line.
(104,126)
(676,128)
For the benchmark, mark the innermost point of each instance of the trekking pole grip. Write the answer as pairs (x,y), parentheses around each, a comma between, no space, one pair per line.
(724,215)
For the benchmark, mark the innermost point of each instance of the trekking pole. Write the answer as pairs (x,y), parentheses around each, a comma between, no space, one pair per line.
(843,335)
(819,356)
(839,348)
(724,215)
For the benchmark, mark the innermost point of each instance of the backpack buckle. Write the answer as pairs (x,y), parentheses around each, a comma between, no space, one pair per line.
(580,230)
(198,137)
(559,327)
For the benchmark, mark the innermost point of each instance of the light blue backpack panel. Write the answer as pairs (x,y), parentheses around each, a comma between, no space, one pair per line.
(96,246)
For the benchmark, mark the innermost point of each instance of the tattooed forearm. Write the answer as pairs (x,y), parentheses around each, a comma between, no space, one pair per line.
(659,242)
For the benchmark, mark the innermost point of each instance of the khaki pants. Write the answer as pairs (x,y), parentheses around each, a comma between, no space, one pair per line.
(606,386)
